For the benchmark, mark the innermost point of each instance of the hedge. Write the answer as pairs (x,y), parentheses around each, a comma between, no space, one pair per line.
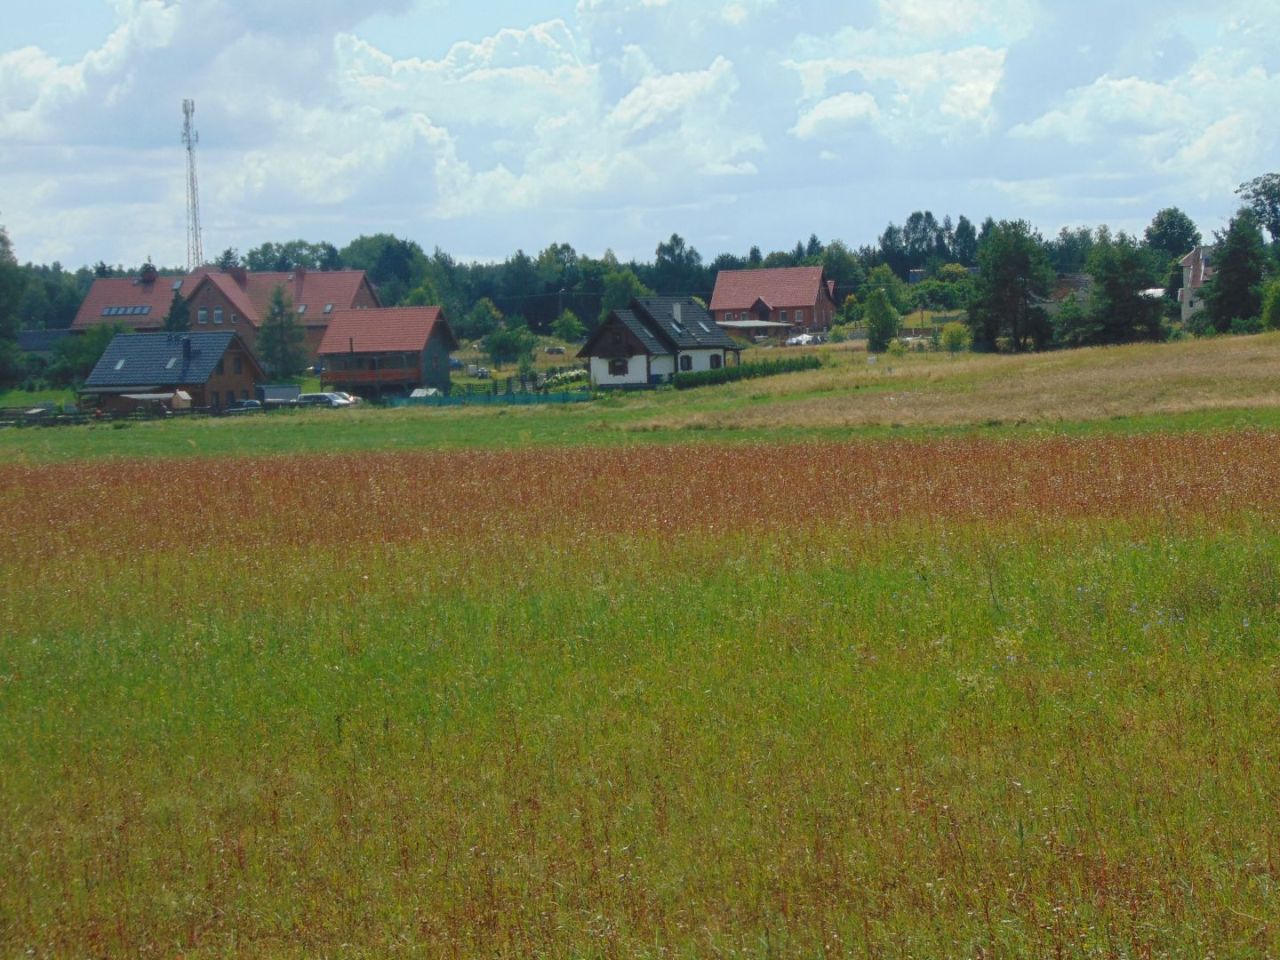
(747,371)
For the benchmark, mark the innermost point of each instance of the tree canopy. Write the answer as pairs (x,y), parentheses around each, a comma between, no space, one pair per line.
(1014,278)
(1233,294)
(1263,196)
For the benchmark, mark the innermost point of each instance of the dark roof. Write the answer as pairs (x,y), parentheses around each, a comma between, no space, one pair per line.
(683,323)
(642,332)
(159,359)
(665,326)
(40,341)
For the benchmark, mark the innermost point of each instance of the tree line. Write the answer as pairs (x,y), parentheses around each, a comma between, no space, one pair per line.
(1001,275)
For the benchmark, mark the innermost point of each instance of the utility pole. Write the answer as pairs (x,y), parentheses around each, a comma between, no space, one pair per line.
(195,253)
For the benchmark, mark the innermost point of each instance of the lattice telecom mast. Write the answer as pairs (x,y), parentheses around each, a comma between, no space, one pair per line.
(195,253)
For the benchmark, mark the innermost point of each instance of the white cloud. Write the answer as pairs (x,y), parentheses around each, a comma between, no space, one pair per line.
(841,110)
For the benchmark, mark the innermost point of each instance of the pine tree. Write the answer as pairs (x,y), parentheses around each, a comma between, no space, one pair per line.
(1234,292)
(280,341)
(178,319)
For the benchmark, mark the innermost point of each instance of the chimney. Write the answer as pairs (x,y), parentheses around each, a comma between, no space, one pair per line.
(149,272)
(239,274)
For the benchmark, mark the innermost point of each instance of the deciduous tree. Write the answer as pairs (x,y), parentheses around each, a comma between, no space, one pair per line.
(881,319)
(1263,196)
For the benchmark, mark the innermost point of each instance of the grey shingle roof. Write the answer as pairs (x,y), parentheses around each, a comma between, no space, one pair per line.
(695,330)
(646,336)
(159,359)
(40,341)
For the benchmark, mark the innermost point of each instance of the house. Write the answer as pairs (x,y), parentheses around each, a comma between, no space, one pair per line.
(138,303)
(226,299)
(240,299)
(142,369)
(389,349)
(780,298)
(1197,270)
(653,339)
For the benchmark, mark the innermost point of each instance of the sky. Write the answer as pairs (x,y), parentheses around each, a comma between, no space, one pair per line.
(484,127)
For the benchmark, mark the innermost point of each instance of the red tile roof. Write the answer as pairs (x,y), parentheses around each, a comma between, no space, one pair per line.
(782,288)
(382,330)
(249,292)
(310,289)
(129,302)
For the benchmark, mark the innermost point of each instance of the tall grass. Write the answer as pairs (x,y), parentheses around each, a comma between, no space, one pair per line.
(960,698)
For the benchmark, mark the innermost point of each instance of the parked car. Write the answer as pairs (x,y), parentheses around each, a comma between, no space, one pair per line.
(320,400)
(455,363)
(351,398)
(244,406)
(555,350)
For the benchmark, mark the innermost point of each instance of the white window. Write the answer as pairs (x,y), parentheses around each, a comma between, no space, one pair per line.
(799,316)
(782,316)
(234,318)
(202,315)
(217,314)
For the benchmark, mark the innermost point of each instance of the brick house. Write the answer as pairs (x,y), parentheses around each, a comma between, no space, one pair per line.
(387,350)
(240,300)
(801,298)
(213,369)
(233,299)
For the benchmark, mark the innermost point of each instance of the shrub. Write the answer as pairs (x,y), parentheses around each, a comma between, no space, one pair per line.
(746,371)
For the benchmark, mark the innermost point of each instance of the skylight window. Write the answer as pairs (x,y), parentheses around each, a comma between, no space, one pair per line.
(328,308)
(173,361)
(177,285)
(120,363)
(705,328)
(302,308)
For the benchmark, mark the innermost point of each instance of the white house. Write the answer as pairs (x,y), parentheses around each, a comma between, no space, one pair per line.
(653,339)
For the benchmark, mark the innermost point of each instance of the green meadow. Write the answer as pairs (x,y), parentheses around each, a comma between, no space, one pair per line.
(594,682)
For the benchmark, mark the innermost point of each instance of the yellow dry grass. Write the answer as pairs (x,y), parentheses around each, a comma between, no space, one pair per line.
(925,390)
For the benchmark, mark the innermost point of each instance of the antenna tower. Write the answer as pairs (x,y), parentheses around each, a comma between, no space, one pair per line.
(195,253)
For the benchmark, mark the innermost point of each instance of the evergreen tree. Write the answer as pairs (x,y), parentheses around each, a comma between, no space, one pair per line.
(1120,312)
(281,338)
(1014,277)
(1234,292)
(178,318)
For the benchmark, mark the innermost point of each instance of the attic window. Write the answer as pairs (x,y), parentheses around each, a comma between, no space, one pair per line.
(120,363)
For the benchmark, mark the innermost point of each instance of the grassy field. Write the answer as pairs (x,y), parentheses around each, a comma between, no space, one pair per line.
(1225,383)
(472,687)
